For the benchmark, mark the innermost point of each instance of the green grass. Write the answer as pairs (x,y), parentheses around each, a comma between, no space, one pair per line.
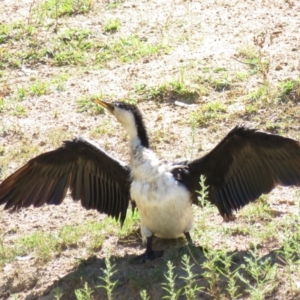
(210,112)
(289,90)
(5,31)
(114,4)
(69,46)
(15,31)
(87,105)
(254,58)
(19,111)
(170,91)
(127,49)
(39,88)
(60,8)
(44,245)
(112,25)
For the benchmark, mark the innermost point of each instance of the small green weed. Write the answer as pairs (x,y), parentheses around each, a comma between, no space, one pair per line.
(84,293)
(127,49)
(39,88)
(169,286)
(19,111)
(144,295)
(114,4)
(5,33)
(21,93)
(263,275)
(57,293)
(87,105)
(254,59)
(248,52)
(170,91)
(289,90)
(215,111)
(6,254)
(191,287)
(112,25)
(107,278)
(60,8)
(219,69)
(211,273)
(78,35)
(59,81)
(10,59)
(241,76)
(222,84)
(204,229)
(1,104)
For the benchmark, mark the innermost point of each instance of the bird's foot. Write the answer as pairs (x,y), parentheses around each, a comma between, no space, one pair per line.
(149,255)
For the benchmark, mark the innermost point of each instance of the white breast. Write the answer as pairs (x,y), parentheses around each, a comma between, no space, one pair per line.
(165,210)
(164,205)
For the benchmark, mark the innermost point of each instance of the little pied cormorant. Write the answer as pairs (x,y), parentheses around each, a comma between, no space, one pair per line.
(244,165)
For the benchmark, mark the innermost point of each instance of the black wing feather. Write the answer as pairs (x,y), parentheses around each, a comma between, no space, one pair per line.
(93,177)
(242,167)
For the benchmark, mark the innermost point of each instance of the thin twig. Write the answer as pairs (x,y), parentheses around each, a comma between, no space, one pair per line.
(243,62)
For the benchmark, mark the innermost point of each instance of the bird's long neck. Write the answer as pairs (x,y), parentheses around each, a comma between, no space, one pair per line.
(136,130)
(142,135)
(138,140)
(144,162)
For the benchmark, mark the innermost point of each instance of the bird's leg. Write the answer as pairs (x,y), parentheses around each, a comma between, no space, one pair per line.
(188,238)
(190,241)
(150,253)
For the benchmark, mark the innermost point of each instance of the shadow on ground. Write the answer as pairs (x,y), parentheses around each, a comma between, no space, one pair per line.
(132,276)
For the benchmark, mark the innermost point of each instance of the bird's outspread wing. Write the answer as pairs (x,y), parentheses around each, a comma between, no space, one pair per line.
(98,180)
(244,165)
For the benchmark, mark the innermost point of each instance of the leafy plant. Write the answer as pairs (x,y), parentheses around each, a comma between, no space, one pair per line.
(169,286)
(263,275)
(191,287)
(84,293)
(107,278)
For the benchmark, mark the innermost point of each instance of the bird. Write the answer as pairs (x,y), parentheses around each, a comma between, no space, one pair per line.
(245,164)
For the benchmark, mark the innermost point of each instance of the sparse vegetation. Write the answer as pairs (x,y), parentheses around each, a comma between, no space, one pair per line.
(60,8)
(87,105)
(173,90)
(112,25)
(57,56)
(210,112)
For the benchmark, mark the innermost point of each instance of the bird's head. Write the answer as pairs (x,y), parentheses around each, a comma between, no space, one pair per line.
(130,117)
